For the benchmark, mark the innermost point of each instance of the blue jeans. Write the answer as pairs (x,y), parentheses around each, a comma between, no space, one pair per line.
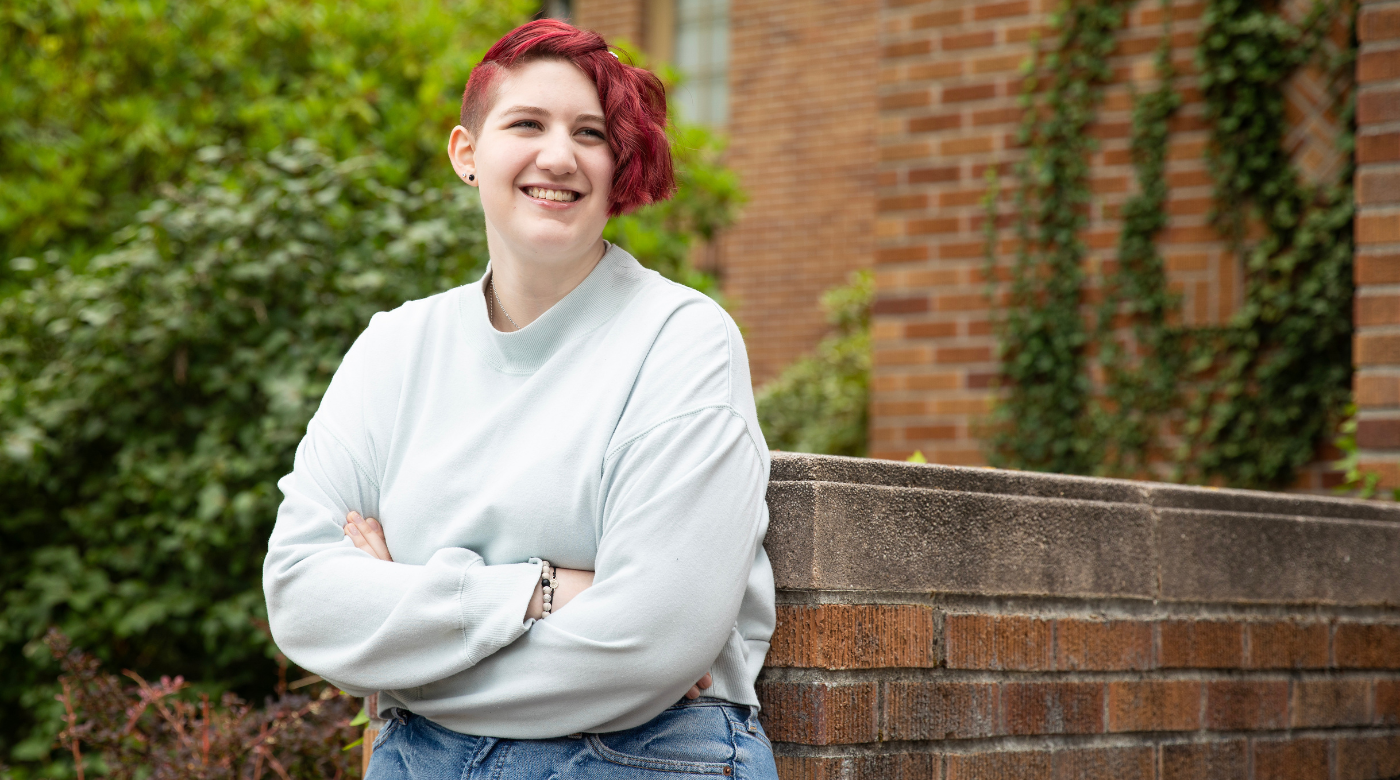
(700,737)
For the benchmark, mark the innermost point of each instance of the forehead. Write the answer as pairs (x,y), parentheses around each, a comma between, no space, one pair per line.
(559,87)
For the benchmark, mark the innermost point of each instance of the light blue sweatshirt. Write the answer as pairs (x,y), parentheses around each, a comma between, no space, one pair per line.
(615,433)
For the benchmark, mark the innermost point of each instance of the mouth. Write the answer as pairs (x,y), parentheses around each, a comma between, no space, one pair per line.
(553,195)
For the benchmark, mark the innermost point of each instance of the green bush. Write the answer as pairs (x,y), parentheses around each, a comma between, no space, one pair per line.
(149,403)
(820,403)
(106,99)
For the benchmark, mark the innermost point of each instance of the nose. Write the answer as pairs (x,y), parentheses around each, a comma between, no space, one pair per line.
(557,153)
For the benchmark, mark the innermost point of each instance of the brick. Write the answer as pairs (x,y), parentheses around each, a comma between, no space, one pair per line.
(904,254)
(968,40)
(1287,645)
(1330,702)
(1376,349)
(997,642)
(1378,24)
(1377,310)
(933,175)
(1001,10)
(1131,763)
(1368,758)
(1379,227)
(909,49)
(948,355)
(934,226)
(914,99)
(1106,645)
(810,768)
(1052,708)
(854,636)
(1378,66)
(1154,705)
(1377,147)
(910,305)
(998,766)
(897,766)
(1376,390)
(933,124)
(1246,705)
(819,713)
(1387,709)
(959,146)
(939,710)
(947,18)
(1291,759)
(968,93)
(1378,434)
(1198,644)
(1375,187)
(1367,646)
(928,432)
(1205,761)
(931,330)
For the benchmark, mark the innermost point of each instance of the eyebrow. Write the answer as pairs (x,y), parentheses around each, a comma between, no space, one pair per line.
(534,111)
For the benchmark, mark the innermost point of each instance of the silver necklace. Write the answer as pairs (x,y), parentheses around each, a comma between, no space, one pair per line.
(492,284)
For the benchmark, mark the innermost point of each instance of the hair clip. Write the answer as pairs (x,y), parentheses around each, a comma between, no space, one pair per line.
(614,54)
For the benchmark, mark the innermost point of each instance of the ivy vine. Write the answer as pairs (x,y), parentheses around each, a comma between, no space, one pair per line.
(1042,422)
(1257,394)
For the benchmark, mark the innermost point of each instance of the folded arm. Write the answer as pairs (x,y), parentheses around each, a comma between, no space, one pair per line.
(682,521)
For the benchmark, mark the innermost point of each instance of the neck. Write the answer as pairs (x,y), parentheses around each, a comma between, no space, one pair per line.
(528,284)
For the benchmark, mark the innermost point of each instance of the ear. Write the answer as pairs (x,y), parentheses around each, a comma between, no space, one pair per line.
(461,150)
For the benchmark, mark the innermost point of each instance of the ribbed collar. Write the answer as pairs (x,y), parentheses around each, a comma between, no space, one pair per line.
(593,302)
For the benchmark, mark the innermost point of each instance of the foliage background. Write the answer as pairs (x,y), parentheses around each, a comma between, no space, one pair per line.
(203,206)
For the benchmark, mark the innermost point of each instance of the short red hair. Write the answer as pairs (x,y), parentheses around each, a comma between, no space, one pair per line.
(634,104)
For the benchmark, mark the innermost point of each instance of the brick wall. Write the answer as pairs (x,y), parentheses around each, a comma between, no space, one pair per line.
(949,83)
(802,139)
(615,20)
(948,623)
(1377,348)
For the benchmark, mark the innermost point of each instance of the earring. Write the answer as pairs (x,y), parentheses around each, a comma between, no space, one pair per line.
(471,177)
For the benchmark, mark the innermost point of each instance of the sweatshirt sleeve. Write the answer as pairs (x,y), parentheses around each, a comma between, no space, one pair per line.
(682,520)
(367,624)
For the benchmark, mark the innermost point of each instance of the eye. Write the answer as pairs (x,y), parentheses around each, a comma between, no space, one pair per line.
(530,122)
(596,133)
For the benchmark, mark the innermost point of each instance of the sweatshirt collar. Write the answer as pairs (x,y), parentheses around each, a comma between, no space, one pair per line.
(593,302)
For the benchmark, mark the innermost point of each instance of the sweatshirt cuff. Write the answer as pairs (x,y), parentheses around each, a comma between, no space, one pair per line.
(494,600)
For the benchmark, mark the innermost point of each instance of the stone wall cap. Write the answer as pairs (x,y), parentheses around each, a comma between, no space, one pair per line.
(801,467)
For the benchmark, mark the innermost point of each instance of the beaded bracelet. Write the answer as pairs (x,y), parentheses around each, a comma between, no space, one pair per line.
(548,584)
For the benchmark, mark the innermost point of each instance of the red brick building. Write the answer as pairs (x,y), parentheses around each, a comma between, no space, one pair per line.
(862,130)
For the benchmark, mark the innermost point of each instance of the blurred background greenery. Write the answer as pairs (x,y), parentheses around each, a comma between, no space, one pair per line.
(203,204)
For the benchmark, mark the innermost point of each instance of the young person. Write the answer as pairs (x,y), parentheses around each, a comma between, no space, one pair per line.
(564,460)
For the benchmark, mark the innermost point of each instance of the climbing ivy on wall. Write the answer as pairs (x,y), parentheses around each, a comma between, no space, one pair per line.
(1042,422)
(1256,394)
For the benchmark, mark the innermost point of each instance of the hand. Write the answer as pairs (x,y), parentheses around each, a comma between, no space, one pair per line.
(368,535)
(704,683)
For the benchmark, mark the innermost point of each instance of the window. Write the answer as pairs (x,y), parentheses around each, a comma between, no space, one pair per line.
(702,55)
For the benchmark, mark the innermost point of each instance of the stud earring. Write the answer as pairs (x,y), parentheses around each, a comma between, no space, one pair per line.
(471,177)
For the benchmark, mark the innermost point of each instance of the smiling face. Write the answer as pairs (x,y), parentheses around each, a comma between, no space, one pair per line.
(542,162)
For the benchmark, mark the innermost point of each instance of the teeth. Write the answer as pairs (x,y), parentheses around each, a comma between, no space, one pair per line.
(559,195)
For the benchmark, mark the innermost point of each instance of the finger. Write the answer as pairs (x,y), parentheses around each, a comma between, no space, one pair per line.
(363,539)
(705,682)
(693,693)
(374,532)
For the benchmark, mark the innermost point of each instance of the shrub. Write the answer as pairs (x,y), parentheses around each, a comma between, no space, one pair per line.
(820,403)
(156,731)
(106,99)
(149,403)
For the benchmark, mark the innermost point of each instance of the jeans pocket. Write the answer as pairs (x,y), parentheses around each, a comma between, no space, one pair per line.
(692,740)
(389,726)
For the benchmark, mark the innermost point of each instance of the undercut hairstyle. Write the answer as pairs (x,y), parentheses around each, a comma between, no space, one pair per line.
(633,99)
